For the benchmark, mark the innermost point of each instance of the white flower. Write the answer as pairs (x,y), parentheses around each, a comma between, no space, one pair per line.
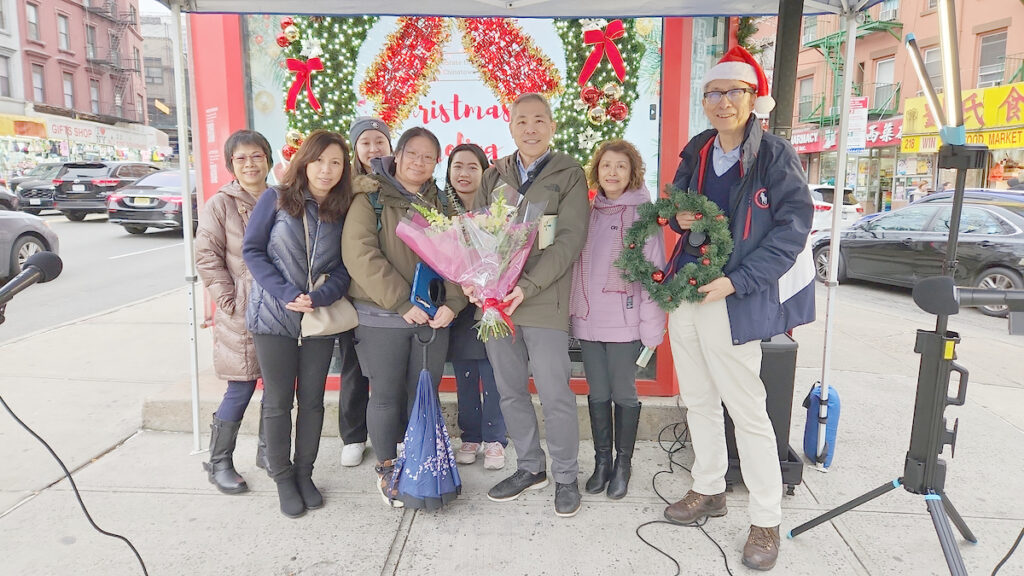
(589,138)
(311,48)
(593,24)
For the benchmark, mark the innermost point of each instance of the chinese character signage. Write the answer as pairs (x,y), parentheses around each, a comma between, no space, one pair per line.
(876,134)
(995,115)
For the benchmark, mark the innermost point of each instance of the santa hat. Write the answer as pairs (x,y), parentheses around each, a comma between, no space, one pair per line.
(738,64)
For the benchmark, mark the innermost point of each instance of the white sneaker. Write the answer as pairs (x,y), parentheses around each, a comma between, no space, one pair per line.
(467,453)
(494,456)
(352,454)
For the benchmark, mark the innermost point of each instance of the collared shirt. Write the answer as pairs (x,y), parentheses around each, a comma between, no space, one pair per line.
(723,160)
(524,171)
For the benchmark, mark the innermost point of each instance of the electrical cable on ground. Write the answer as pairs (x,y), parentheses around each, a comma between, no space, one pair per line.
(1009,552)
(74,487)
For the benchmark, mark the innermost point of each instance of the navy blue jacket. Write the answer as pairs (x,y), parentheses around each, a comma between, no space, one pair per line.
(771,218)
(275,253)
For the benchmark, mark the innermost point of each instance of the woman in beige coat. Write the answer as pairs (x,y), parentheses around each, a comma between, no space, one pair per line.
(220,265)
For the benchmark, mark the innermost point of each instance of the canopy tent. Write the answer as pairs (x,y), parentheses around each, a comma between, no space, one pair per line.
(848,10)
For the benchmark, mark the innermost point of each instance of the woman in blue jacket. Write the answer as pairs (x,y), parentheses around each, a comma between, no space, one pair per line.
(317,187)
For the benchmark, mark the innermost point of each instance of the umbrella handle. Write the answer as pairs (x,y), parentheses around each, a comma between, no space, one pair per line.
(433,336)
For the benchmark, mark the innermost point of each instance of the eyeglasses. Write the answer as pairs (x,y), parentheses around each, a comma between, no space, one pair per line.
(414,157)
(715,96)
(256,157)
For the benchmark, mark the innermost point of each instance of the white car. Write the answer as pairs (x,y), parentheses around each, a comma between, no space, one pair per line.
(822,194)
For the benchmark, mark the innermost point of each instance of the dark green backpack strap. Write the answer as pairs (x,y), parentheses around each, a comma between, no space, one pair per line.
(374,198)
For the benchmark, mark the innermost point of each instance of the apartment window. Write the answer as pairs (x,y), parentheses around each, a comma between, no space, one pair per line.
(115,49)
(90,42)
(69,89)
(139,100)
(154,71)
(38,88)
(94,96)
(119,105)
(133,15)
(888,11)
(884,86)
(992,60)
(5,76)
(933,66)
(3,16)
(137,62)
(810,29)
(933,4)
(32,18)
(806,102)
(63,32)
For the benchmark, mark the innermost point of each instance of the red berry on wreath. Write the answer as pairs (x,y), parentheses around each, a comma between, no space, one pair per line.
(693,281)
(698,216)
(632,246)
(286,22)
(704,249)
(662,220)
(720,217)
(706,262)
(658,276)
(282,41)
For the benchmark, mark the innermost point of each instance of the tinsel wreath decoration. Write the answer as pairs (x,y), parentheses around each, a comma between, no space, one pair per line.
(603,115)
(669,293)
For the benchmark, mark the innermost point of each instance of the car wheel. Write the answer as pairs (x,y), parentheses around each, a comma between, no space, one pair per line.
(75,216)
(23,248)
(135,229)
(998,279)
(821,264)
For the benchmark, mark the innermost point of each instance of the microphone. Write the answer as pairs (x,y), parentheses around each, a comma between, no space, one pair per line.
(39,267)
(940,296)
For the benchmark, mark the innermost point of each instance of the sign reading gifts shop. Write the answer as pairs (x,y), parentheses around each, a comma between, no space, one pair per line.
(992,116)
(100,134)
(876,134)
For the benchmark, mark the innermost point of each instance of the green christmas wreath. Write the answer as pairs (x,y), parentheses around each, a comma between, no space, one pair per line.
(683,286)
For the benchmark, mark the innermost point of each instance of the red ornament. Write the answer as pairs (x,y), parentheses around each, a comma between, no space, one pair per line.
(706,262)
(288,151)
(662,220)
(658,276)
(720,217)
(693,281)
(282,41)
(590,95)
(632,246)
(258,39)
(618,111)
(698,216)
(704,249)
(286,22)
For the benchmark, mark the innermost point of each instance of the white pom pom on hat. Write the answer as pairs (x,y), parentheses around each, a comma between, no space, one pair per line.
(738,64)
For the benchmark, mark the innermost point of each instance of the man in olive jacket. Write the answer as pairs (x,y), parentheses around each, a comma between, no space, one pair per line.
(539,307)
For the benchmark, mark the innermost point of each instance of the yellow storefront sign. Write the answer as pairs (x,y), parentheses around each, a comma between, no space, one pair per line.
(992,108)
(995,140)
(21,126)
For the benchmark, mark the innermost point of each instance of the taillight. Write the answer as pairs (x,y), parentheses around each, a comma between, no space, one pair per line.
(57,182)
(104,182)
(822,207)
(171,199)
(860,209)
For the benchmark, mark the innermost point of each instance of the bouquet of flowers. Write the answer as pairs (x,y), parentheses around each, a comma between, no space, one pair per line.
(485,248)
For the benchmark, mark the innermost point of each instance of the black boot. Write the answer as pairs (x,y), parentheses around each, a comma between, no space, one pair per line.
(601,427)
(627,419)
(261,447)
(292,505)
(308,425)
(221,467)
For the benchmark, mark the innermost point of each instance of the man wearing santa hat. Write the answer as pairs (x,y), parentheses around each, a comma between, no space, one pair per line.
(767,289)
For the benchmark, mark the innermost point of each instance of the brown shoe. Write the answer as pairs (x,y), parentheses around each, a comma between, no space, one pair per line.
(694,507)
(762,548)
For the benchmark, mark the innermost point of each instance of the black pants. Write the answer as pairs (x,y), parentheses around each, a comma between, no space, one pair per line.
(355,392)
(392,359)
(293,371)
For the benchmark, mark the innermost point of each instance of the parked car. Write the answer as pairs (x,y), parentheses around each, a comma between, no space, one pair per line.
(22,235)
(903,246)
(153,201)
(8,201)
(35,189)
(1006,198)
(82,188)
(823,195)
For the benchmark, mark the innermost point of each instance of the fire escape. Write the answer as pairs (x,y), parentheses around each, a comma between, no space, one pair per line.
(114,61)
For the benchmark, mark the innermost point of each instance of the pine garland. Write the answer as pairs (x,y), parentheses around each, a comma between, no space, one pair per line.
(669,293)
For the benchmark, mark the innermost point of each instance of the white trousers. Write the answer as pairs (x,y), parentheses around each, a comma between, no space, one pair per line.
(712,371)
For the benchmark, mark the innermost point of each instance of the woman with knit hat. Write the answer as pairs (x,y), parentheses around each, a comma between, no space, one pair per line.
(767,289)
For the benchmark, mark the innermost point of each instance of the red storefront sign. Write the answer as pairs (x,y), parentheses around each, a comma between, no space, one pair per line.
(879,133)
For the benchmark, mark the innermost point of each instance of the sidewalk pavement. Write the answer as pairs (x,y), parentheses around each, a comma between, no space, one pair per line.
(85,387)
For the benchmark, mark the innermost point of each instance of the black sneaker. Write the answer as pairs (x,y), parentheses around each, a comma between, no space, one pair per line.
(510,488)
(567,499)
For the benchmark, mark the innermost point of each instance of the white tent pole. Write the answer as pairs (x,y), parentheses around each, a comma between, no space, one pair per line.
(184,153)
(850,18)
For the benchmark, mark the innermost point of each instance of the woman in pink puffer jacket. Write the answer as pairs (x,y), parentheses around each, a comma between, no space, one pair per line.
(613,318)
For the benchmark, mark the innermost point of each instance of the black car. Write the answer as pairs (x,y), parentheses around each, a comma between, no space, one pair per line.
(903,246)
(35,189)
(8,201)
(82,188)
(153,201)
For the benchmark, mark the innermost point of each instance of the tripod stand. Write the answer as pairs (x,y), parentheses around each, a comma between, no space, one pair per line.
(923,471)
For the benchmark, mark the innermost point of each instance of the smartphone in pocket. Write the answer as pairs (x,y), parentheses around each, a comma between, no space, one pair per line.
(428,289)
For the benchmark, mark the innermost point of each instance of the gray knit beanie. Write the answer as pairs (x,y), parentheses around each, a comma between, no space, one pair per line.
(364,123)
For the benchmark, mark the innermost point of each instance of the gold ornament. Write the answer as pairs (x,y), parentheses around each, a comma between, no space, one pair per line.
(612,91)
(644,26)
(291,33)
(293,138)
(597,116)
(264,102)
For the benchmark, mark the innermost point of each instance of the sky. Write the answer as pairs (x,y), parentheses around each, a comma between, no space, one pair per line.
(152,7)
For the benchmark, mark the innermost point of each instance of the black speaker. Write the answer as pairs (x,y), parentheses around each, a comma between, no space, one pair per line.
(778,372)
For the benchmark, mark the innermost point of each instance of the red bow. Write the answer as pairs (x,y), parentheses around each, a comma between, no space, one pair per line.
(500,307)
(303,78)
(604,40)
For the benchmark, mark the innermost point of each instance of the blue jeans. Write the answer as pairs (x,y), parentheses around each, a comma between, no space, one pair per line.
(236,399)
(478,423)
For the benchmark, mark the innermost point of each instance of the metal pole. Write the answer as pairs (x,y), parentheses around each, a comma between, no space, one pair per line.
(787,52)
(850,17)
(184,153)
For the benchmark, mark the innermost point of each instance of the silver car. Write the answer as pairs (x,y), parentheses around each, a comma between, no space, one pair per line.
(22,235)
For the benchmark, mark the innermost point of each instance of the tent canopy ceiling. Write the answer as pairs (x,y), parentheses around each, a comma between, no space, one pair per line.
(522,8)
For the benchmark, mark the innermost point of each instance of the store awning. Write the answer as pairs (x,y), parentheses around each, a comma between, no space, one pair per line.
(21,126)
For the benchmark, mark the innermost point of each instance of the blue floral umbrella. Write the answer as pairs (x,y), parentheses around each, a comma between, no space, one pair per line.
(425,473)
